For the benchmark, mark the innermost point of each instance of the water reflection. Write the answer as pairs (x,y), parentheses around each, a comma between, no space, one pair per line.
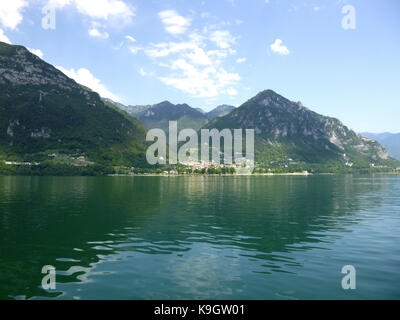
(176,237)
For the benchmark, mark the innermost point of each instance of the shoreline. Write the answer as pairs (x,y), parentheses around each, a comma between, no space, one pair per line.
(247,175)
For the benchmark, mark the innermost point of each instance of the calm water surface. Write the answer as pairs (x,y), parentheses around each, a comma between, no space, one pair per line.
(281,237)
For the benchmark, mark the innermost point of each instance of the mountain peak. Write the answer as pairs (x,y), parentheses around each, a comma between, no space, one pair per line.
(164,103)
(268,96)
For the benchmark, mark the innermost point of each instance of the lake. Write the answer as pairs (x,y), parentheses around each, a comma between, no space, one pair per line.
(200,237)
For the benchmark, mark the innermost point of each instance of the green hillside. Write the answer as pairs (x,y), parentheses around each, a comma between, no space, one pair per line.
(45,116)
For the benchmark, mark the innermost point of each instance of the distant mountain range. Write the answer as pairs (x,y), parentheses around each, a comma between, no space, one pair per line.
(46,116)
(219,111)
(159,115)
(391,141)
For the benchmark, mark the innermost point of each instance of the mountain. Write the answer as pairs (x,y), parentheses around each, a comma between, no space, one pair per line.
(132,110)
(159,115)
(391,141)
(219,111)
(44,115)
(200,110)
(288,134)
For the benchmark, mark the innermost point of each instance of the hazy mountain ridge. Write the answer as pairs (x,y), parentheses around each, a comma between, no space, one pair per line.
(158,115)
(391,141)
(219,111)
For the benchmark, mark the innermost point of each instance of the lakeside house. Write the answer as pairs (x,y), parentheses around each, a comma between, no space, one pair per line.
(15,163)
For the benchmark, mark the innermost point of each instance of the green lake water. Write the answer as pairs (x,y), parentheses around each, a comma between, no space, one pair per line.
(199,237)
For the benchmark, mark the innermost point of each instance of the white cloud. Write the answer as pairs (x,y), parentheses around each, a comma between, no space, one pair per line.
(86,78)
(95,32)
(278,48)
(222,39)
(58,4)
(198,56)
(144,73)
(194,70)
(173,22)
(241,60)
(111,10)
(134,50)
(207,82)
(106,9)
(4,38)
(194,65)
(10,12)
(316,8)
(164,49)
(37,52)
(130,38)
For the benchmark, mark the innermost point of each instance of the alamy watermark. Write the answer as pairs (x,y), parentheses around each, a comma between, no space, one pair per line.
(349,280)
(49,280)
(349,20)
(49,18)
(188,153)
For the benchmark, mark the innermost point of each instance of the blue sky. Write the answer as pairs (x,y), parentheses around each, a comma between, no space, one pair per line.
(211,52)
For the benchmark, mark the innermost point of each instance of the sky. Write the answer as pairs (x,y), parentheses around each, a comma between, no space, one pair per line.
(339,58)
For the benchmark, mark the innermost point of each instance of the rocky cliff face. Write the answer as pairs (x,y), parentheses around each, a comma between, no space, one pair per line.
(20,67)
(391,141)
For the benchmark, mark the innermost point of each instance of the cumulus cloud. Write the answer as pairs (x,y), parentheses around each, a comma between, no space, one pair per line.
(11,13)
(222,39)
(106,9)
(86,78)
(208,81)
(279,48)
(116,11)
(3,37)
(173,22)
(144,73)
(58,4)
(198,56)
(95,32)
(195,64)
(37,52)
(193,69)
(241,60)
